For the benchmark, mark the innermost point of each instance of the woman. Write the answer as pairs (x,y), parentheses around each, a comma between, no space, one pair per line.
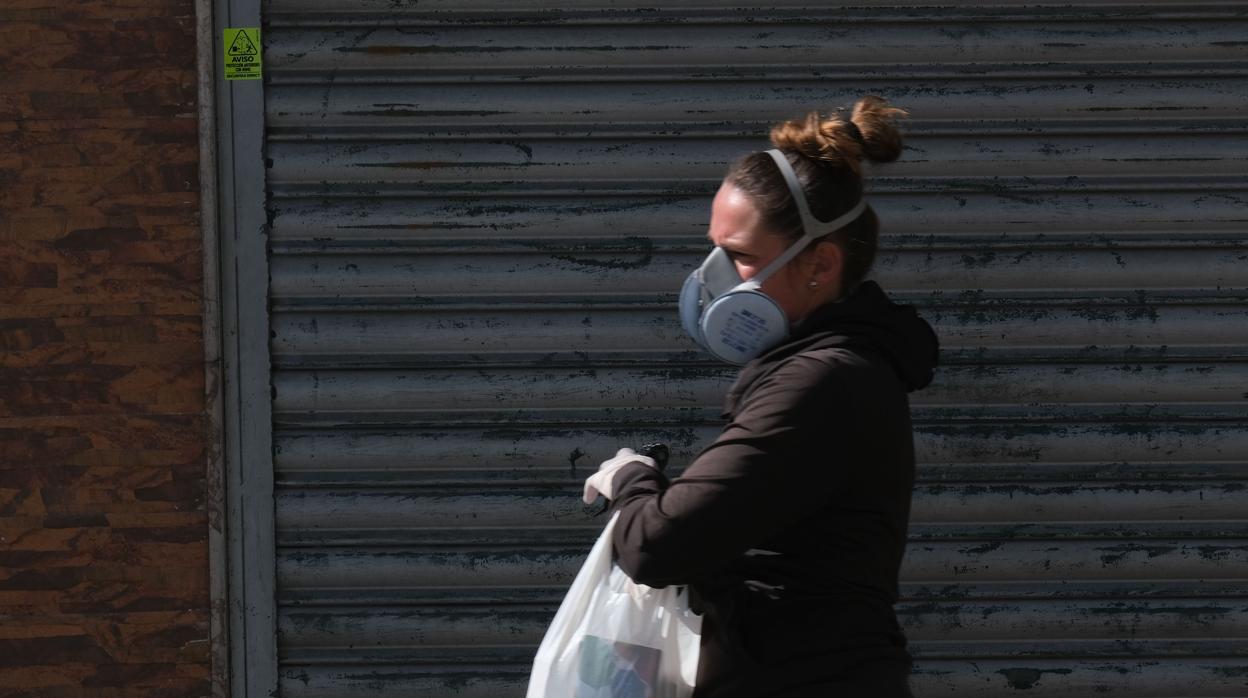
(789,528)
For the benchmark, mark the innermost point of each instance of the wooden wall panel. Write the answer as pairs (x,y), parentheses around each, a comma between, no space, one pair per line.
(103,529)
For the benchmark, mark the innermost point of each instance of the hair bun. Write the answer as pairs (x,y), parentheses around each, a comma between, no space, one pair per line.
(876,120)
(869,133)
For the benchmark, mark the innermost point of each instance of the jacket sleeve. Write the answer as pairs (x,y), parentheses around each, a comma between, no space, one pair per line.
(773,465)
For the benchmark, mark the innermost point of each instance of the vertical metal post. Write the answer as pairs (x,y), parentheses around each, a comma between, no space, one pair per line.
(246,379)
(218,550)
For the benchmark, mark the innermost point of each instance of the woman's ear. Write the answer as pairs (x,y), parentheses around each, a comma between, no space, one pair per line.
(827,265)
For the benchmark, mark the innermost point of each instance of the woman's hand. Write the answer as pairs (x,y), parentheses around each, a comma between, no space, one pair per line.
(600,482)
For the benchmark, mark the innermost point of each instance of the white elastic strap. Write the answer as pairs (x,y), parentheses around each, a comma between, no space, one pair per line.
(812,228)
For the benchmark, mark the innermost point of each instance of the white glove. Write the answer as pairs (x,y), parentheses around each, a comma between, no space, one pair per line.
(600,482)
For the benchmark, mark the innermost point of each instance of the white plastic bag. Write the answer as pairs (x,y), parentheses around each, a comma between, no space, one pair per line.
(614,638)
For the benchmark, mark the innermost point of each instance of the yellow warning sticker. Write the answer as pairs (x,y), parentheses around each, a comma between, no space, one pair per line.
(242,53)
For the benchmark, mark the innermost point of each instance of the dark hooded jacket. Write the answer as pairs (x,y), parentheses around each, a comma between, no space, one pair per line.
(789,528)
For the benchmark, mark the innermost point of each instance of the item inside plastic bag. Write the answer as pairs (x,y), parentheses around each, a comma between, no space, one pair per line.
(614,638)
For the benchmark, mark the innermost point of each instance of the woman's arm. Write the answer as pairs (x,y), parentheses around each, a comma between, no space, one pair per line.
(768,469)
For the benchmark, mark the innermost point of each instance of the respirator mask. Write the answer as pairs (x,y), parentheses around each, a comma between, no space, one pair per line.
(732,318)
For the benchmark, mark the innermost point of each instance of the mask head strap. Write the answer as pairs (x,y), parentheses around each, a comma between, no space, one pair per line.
(812,228)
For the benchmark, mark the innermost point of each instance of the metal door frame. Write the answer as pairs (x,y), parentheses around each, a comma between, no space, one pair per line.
(242,553)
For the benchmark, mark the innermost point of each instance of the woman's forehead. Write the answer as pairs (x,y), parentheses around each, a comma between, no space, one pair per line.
(733,215)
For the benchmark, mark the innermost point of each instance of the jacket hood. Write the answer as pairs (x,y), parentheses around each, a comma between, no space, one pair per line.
(865,320)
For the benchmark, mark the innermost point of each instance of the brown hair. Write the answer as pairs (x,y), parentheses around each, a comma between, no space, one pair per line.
(826,154)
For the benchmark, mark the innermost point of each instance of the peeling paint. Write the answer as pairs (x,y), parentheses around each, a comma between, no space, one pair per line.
(1022,679)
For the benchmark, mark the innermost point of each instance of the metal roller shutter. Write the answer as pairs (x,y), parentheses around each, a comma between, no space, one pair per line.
(480,214)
